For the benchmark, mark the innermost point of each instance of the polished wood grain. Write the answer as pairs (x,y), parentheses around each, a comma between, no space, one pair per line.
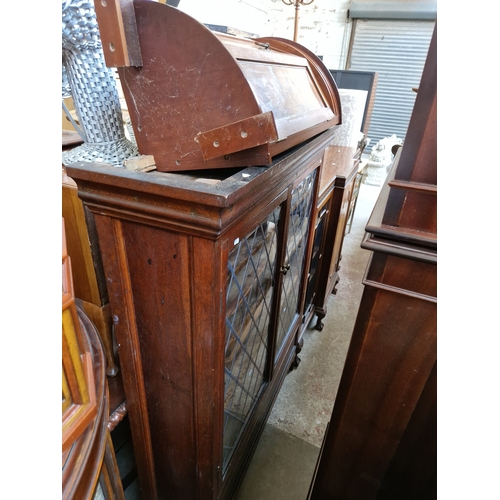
(381,440)
(91,461)
(165,240)
(256,116)
(326,83)
(84,276)
(78,391)
(338,175)
(212,93)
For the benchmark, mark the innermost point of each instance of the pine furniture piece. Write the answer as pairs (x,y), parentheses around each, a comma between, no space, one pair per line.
(381,440)
(90,293)
(89,465)
(90,289)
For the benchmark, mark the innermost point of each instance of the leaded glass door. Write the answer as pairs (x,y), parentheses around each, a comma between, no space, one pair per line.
(249,303)
(263,281)
(295,252)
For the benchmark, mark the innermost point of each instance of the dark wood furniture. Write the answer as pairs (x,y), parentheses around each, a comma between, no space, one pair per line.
(336,186)
(381,440)
(207,267)
(88,459)
(207,279)
(204,100)
(354,197)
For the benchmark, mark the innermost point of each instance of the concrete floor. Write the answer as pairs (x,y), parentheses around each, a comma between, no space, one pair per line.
(284,461)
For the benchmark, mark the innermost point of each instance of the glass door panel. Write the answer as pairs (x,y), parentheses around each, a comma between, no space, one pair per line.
(316,256)
(295,251)
(250,288)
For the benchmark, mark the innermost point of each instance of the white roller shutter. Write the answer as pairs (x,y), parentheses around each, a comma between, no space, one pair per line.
(396,50)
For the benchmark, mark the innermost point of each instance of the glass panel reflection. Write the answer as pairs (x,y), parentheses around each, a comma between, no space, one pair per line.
(296,246)
(251,269)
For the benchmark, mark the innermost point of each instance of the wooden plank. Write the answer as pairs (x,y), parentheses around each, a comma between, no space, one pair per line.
(243,134)
(78,244)
(118,29)
(114,256)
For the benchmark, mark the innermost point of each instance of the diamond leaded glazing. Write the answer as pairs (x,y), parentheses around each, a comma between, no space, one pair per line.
(296,245)
(251,269)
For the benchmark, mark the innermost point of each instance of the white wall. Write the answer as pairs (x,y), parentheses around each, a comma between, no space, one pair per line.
(323,25)
(323,28)
(240,14)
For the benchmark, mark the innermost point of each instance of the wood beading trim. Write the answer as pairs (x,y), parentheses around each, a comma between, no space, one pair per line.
(413,186)
(400,291)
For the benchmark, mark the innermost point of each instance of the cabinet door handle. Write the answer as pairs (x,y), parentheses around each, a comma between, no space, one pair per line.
(284,269)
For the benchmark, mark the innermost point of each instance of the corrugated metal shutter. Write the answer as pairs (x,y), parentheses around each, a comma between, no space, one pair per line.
(396,50)
(393,9)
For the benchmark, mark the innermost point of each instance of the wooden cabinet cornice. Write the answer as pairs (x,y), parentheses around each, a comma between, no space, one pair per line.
(202,202)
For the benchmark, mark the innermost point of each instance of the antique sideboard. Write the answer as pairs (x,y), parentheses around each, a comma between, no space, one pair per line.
(339,173)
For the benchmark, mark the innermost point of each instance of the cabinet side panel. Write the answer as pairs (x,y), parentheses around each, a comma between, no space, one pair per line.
(159,263)
(392,352)
(342,220)
(208,279)
(413,471)
(118,281)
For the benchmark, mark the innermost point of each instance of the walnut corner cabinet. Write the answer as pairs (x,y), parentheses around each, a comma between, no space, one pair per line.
(207,277)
